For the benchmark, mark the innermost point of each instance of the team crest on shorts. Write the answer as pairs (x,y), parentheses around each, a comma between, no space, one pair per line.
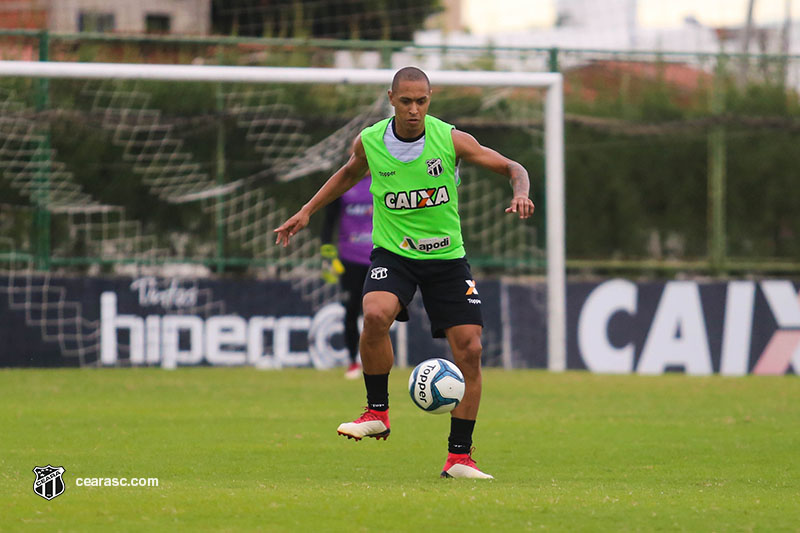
(379,273)
(434,167)
(48,483)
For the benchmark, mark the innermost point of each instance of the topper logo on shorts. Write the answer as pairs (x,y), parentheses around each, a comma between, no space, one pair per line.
(472,290)
(416,199)
(425,245)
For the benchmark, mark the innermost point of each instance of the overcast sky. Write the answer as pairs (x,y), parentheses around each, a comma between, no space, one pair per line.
(483,16)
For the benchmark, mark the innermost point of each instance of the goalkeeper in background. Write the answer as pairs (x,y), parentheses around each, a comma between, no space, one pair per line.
(348,262)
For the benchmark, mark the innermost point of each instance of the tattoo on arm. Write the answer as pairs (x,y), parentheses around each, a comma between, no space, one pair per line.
(518,177)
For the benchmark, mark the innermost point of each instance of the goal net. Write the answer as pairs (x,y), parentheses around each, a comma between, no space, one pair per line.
(187,169)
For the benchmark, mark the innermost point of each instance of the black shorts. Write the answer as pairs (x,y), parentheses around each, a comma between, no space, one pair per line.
(448,289)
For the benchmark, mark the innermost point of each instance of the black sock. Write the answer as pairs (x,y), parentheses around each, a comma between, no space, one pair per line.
(377,391)
(460,440)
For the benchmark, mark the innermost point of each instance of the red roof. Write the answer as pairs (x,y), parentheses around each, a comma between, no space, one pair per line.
(22,14)
(608,77)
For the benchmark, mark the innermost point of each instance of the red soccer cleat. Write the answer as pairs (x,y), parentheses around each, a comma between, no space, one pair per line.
(353,371)
(373,424)
(461,465)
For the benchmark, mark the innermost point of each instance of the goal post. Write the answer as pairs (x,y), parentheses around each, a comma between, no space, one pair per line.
(553,115)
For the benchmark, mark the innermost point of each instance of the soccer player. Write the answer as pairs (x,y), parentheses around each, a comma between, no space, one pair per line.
(348,262)
(413,160)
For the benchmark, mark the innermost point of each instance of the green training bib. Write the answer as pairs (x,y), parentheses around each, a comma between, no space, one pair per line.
(415,204)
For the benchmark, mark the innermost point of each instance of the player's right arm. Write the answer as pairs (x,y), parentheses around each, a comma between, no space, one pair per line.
(342,180)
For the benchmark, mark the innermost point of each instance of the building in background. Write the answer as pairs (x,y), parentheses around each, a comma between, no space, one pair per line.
(23,14)
(580,13)
(449,20)
(583,15)
(616,25)
(180,17)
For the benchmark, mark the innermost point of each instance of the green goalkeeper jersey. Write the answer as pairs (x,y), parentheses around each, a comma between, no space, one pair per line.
(415,204)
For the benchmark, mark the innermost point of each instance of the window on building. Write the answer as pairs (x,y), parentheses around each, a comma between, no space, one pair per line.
(157,23)
(95,22)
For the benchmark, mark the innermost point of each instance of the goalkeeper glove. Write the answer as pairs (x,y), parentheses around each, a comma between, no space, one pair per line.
(332,267)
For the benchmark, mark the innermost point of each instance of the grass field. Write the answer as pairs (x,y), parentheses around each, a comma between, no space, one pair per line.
(241,449)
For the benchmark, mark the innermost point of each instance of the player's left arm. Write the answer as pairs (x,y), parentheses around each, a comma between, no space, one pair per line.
(468,149)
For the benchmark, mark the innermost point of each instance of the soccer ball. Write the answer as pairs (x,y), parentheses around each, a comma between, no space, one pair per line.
(436,386)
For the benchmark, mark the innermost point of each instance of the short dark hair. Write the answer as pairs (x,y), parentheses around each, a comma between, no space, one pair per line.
(409,74)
